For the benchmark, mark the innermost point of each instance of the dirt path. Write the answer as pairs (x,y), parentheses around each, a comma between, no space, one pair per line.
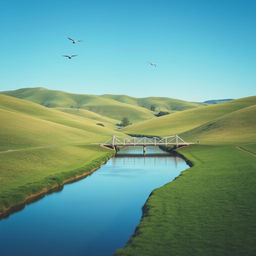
(24,149)
(245,150)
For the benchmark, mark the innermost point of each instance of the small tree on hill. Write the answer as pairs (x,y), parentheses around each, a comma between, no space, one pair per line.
(153,108)
(125,121)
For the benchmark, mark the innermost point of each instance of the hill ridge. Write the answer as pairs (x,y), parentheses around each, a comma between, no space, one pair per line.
(136,109)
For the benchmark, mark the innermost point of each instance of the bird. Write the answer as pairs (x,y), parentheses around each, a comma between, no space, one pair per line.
(69,56)
(152,64)
(74,41)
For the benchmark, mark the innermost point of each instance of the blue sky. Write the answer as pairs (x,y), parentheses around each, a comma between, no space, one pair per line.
(204,49)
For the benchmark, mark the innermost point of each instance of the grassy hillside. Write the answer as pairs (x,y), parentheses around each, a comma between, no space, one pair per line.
(111,106)
(41,147)
(238,126)
(104,106)
(181,122)
(216,101)
(88,114)
(161,103)
(28,124)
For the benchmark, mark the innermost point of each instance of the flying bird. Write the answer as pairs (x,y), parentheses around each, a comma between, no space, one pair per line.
(74,41)
(69,56)
(152,64)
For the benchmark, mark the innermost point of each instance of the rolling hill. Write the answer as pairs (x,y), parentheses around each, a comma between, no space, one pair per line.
(114,107)
(237,126)
(217,101)
(181,122)
(24,123)
(107,107)
(160,103)
(42,147)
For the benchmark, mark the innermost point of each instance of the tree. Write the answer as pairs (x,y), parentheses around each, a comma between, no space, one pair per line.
(125,121)
(162,113)
(153,108)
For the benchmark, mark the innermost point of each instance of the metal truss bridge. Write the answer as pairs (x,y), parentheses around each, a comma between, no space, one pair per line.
(116,141)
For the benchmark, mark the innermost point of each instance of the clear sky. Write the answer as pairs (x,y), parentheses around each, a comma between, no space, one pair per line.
(204,49)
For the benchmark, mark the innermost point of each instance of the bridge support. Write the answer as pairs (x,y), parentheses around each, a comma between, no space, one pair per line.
(144,150)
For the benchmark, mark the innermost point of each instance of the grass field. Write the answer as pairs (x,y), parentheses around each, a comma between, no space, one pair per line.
(106,121)
(209,210)
(161,103)
(111,106)
(235,127)
(41,147)
(26,124)
(30,171)
(250,147)
(181,122)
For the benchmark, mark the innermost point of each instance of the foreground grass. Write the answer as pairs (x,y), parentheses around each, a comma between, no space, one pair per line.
(209,210)
(251,148)
(30,171)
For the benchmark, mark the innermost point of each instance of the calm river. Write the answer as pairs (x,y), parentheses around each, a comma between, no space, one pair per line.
(93,216)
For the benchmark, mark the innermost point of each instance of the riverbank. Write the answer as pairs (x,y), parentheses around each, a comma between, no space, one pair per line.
(208,210)
(14,198)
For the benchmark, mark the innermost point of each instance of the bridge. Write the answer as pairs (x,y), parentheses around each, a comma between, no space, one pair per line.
(121,141)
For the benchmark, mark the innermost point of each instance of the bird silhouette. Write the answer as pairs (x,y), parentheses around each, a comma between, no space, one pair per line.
(69,56)
(74,41)
(152,64)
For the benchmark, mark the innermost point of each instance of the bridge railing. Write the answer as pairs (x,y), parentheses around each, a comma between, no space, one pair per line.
(123,140)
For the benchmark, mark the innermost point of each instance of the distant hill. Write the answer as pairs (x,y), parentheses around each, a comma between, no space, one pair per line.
(114,107)
(236,126)
(216,101)
(160,103)
(184,122)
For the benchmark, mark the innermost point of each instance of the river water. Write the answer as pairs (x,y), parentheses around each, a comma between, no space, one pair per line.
(94,216)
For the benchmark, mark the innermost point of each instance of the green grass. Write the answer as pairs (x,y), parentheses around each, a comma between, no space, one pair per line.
(250,147)
(161,103)
(41,147)
(109,122)
(111,106)
(102,105)
(26,172)
(26,124)
(209,210)
(184,121)
(235,127)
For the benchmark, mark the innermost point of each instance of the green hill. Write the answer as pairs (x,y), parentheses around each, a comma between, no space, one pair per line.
(238,126)
(181,122)
(26,123)
(106,121)
(104,106)
(217,101)
(112,106)
(41,147)
(160,103)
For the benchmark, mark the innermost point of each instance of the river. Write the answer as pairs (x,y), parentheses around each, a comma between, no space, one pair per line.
(93,216)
